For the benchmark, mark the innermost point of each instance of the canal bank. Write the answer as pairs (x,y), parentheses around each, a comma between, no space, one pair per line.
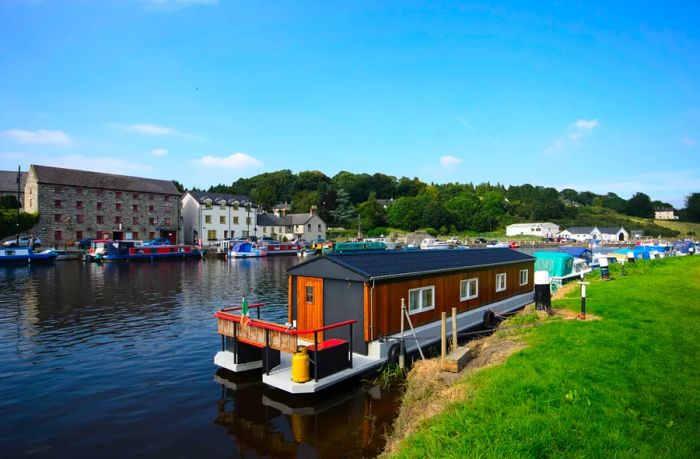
(627,384)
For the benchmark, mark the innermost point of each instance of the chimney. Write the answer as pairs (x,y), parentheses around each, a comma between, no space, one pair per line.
(313,210)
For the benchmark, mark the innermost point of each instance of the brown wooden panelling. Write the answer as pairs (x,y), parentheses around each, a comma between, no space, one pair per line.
(367,309)
(387,295)
(309,315)
(252,334)
(289,299)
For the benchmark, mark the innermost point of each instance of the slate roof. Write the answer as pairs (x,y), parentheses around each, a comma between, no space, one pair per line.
(397,263)
(74,177)
(215,197)
(8,181)
(613,230)
(286,220)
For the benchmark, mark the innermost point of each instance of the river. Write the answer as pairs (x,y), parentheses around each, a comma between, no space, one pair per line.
(115,360)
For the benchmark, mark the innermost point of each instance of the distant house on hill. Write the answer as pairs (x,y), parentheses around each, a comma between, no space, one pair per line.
(588,233)
(665,213)
(543,230)
(280,225)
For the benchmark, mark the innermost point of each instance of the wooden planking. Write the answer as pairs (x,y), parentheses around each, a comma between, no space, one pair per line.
(367,308)
(387,295)
(284,342)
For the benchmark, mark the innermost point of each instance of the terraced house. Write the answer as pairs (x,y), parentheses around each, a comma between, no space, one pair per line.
(76,204)
(210,217)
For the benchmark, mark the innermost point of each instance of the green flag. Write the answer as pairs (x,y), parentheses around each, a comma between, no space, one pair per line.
(244,310)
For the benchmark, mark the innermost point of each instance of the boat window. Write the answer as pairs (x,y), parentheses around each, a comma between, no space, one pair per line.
(500,282)
(468,289)
(309,294)
(523,276)
(421,299)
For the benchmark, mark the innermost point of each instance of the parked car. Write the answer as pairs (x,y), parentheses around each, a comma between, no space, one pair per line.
(23,242)
(158,241)
(480,240)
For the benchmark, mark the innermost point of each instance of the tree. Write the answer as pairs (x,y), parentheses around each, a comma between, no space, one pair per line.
(435,215)
(463,208)
(264,195)
(371,213)
(640,205)
(179,186)
(614,202)
(9,201)
(692,207)
(344,212)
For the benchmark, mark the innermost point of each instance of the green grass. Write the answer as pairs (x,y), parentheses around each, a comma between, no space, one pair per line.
(624,386)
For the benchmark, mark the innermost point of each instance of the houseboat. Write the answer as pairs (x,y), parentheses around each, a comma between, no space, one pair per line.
(280,248)
(345,311)
(24,255)
(361,246)
(245,249)
(434,244)
(111,250)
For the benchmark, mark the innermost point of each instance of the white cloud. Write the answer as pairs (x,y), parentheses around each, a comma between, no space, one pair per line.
(688,142)
(152,129)
(159,152)
(40,136)
(450,162)
(236,161)
(586,125)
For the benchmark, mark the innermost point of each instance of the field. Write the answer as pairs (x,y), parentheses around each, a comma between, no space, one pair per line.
(625,385)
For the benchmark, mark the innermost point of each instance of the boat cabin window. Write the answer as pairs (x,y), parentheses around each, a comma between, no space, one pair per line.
(468,289)
(309,294)
(421,299)
(523,276)
(500,282)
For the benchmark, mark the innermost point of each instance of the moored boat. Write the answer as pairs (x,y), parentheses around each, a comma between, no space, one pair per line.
(280,248)
(24,255)
(65,255)
(245,249)
(116,250)
(434,244)
(562,267)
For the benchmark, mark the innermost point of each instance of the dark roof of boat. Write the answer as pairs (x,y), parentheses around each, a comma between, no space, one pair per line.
(89,179)
(397,263)
(8,181)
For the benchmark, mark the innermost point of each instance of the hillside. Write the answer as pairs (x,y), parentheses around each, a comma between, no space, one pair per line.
(602,217)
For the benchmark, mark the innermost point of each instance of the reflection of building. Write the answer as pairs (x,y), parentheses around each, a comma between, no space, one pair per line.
(75,204)
(212,217)
(8,184)
(544,230)
(292,226)
(665,213)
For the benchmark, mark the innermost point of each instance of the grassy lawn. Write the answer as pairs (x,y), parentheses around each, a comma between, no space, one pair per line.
(625,385)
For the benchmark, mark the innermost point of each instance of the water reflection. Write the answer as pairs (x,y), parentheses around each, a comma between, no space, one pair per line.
(348,421)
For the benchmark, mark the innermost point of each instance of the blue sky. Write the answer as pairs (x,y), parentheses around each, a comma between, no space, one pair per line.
(599,97)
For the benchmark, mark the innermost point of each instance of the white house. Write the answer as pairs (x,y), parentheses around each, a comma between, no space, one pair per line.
(292,226)
(212,217)
(665,213)
(543,230)
(587,233)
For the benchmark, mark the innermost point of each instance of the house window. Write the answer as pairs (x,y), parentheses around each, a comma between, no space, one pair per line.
(523,276)
(235,220)
(99,192)
(100,206)
(99,219)
(468,289)
(58,235)
(136,195)
(222,206)
(150,208)
(135,207)
(225,234)
(421,299)
(309,226)
(78,204)
(207,219)
(151,221)
(207,205)
(166,221)
(500,282)
(151,235)
(80,218)
(118,194)
(309,294)
(57,218)
(319,227)
(58,189)
(222,219)
(118,206)
(57,203)
(166,198)
(167,209)
(78,235)
(211,235)
(135,220)
(117,219)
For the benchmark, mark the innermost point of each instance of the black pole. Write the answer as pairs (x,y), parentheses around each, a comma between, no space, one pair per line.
(19,179)
(267,352)
(235,342)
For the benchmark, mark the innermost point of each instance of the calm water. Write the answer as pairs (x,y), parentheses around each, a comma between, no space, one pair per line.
(115,360)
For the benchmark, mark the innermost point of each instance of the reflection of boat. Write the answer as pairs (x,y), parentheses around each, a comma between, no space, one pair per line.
(24,255)
(562,267)
(110,250)
(271,423)
(346,310)
(246,249)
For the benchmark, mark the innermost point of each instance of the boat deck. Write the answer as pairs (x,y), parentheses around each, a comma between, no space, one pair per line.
(281,376)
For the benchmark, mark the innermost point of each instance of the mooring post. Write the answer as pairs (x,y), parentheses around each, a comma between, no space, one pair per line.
(402,352)
(443,338)
(582,315)
(543,293)
(454,329)
(630,257)
(604,271)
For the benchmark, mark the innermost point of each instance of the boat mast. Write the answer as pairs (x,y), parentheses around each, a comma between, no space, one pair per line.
(18,182)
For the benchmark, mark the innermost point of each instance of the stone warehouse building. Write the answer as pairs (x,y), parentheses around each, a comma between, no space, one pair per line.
(75,204)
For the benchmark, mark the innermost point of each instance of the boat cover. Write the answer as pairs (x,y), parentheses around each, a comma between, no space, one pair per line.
(579,252)
(557,264)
